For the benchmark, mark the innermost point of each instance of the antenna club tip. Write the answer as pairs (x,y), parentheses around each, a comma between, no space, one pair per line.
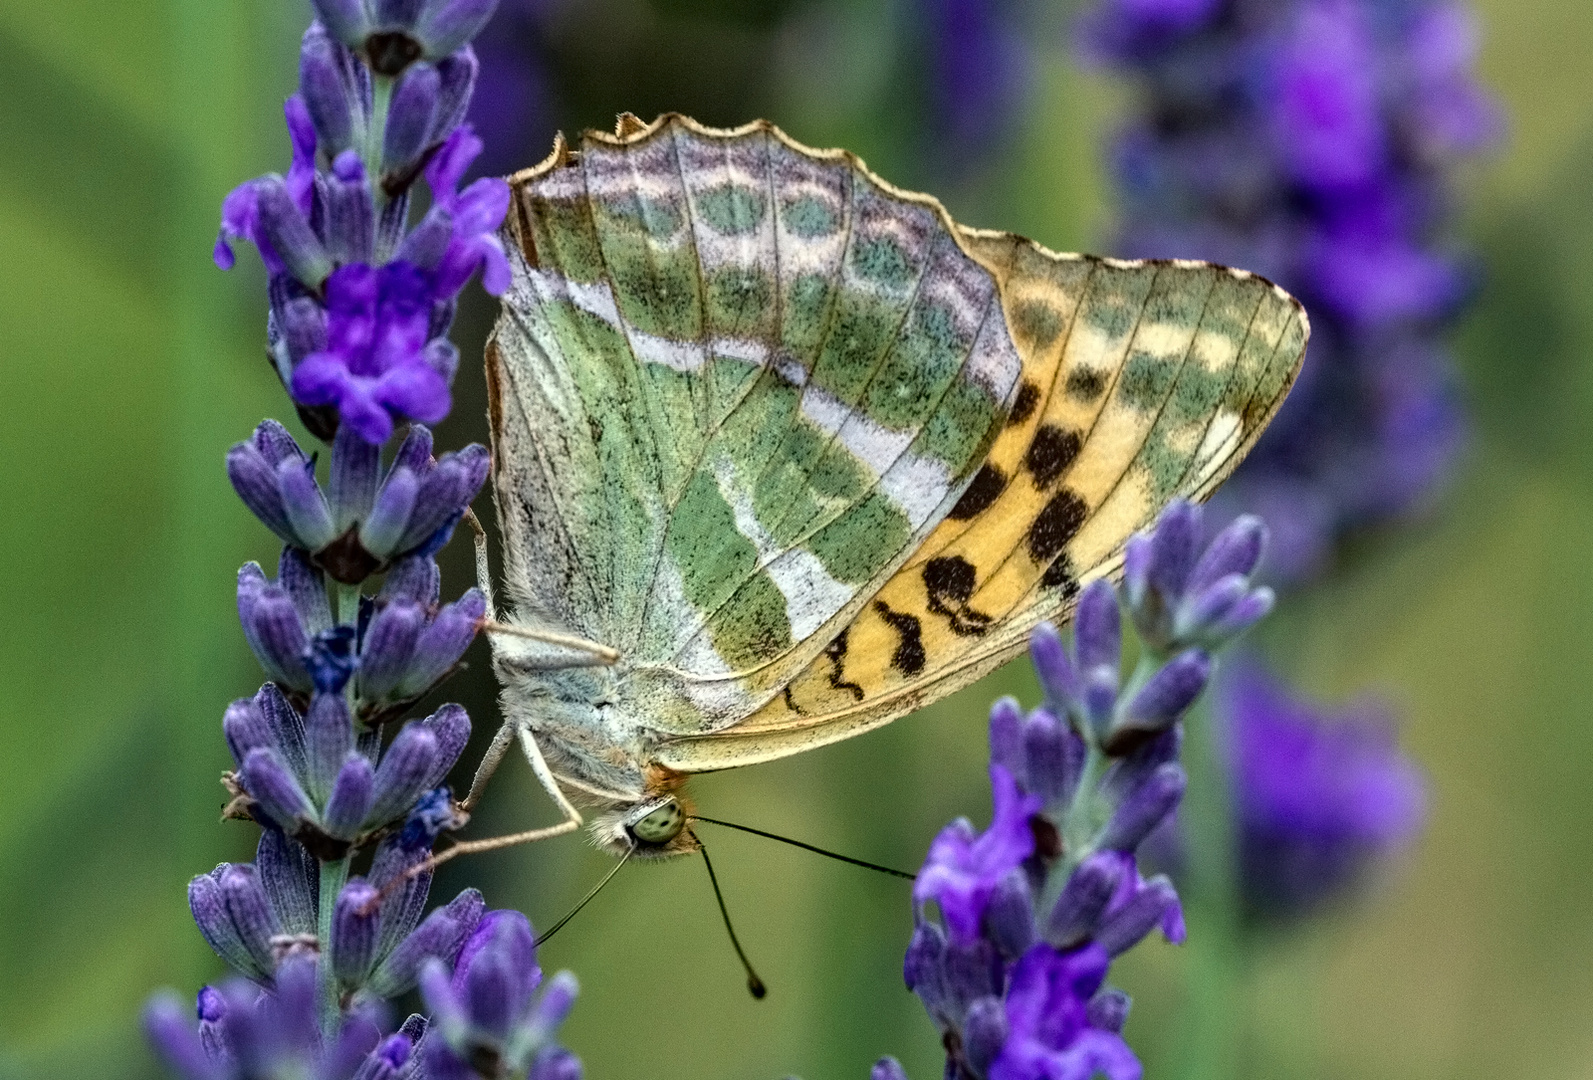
(756,988)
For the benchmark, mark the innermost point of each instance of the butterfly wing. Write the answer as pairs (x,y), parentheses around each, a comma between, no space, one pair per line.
(1142,381)
(808,453)
(737,383)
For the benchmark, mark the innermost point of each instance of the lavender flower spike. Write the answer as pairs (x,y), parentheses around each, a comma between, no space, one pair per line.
(1180,595)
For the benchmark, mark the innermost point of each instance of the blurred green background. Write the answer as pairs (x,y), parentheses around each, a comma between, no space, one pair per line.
(130,364)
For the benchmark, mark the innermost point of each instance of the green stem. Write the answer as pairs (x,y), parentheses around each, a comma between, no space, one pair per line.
(333,876)
(1210,1042)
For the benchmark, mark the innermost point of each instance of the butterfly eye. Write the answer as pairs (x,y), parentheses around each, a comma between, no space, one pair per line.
(661,825)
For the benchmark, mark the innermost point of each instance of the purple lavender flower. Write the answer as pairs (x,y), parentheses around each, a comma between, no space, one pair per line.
(1319,796)
(244,1033)
(309,776)
(963,868)
(492,1015)
(365,519)
(1313,140)
(360,303)
(1049,1033)
(405,644)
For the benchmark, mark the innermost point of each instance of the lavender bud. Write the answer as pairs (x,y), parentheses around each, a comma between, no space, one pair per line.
(555,1063)
(1108,1010)
(211,1007)
(273,787)
(272,627)
(921,966)
(308,517)
(428,242)
(551,1009)
(209,909)
(167,1026)
(1144,808)
(1006,737)
(450,726)
(356,928)
(450,1020)
(1235,550)
(442,644)
(389,647)
(887,1068)
(439,936)
(403,773)
(287,727)
(249,910)
(328,738)
(1058,677)
(350,210)
(290,877)
(1088,890)
(1050,760)
(290,236)
(324,84)
(1175,545)
(395,503)
(350,802)
(1097,628)
(306,587)
(255,481)
(458,73)
(490,994)
(245,728)
(1255,606)
(356,465)
(444,492)
(1128,925)
(1161,701)
(415,578)
(984,1033)
(1009,918)
(411,118)
(446,25)
(347,20)
(1136,571)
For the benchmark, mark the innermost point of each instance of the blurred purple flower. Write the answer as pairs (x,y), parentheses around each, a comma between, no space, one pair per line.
(981,68)
(1319,796)
(514,103)
(1313,141)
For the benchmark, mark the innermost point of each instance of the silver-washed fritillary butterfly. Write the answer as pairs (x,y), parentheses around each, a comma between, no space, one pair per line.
(782,452)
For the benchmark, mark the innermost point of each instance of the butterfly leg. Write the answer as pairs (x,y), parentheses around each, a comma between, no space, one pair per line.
(489,764)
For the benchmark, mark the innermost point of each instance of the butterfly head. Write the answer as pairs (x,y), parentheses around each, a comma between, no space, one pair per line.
(651,828)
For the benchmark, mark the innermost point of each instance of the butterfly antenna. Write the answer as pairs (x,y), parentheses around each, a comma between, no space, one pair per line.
(754,984)
(587,899)
(808,847)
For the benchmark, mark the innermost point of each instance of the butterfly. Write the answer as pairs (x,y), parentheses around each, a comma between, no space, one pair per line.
(782,452)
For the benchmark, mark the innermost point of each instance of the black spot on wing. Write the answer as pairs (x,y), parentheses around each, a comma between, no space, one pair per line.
(1055,525)
(1061,577)
(909,656)
(988,484)
(948,585)
(1084,385)
(1023,405)
(1050,454)
(836,652)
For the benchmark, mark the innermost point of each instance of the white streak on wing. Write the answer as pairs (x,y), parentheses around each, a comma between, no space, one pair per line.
(811,594)
(873,444)
(749,349)
(994,363)
(680,355)
(1222,438)
(917,485)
